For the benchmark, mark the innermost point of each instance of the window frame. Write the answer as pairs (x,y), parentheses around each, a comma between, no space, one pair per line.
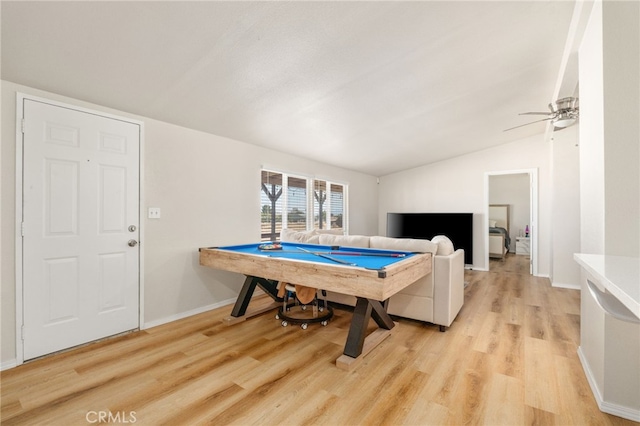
(310,202)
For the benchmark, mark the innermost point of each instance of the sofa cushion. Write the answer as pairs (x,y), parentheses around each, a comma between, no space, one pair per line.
(289,235)
(328,231)
(445,246)
(404,244)
(344,240)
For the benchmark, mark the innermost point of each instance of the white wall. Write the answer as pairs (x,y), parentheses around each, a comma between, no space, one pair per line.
(208,189)
(512,189)
(610,130)
(457,185)
(592,139)
(621,85)
(565,219)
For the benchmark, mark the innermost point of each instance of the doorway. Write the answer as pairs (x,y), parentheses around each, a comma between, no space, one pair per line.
(518,190)
(78,203)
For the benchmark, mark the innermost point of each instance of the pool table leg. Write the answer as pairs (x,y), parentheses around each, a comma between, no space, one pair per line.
(380,315)
(358,343)
(239,311)
(242,302)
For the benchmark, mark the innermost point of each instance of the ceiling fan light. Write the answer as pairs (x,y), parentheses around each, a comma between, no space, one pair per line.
(564,122)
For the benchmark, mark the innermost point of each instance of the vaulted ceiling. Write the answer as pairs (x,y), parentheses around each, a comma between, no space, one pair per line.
(375,87)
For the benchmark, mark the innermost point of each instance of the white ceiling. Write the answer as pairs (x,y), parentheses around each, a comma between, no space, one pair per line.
(375,87)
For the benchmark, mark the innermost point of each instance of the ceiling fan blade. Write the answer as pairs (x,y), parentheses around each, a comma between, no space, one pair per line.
(533,122)
(535,113)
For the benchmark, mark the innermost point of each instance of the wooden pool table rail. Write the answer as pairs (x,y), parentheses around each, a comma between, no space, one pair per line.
(343,279)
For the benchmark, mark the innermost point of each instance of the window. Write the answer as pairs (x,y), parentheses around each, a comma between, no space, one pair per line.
(337,206)
(299,203)
(319,204)
(328,204)
(271,201)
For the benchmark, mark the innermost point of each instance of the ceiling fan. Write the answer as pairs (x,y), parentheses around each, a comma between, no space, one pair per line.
(564,112)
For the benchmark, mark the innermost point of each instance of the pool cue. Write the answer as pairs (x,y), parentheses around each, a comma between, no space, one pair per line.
(358,253)
(341,253)
(344,262)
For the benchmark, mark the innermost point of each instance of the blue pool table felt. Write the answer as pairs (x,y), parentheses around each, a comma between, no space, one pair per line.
(296,251)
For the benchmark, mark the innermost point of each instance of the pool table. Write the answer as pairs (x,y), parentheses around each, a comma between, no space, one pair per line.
(371,275)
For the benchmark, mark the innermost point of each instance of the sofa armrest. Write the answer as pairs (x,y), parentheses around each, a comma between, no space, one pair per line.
(448,287)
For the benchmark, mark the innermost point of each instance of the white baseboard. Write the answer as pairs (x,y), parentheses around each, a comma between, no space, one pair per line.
(565,285)
(8,364)
(257,292)
(187,314)
(620,411)
(590,378)
(605,406)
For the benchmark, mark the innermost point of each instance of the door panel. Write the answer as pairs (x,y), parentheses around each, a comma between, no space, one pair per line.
(60,210)
(80,195)
(61,289)
(111,199)
(113,272)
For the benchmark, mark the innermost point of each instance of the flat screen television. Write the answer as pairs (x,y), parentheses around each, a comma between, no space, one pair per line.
(457,226)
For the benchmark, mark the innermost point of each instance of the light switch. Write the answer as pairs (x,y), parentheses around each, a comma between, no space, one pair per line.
(154,212)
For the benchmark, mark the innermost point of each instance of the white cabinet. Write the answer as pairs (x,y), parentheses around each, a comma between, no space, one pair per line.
(610,347)
(523,245)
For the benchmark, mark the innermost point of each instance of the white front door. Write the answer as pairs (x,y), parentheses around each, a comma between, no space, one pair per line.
(80,213)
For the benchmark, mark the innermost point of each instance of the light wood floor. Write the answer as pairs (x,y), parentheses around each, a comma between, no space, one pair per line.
(508,359)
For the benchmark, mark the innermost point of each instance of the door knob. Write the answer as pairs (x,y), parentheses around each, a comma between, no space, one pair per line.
(132,243)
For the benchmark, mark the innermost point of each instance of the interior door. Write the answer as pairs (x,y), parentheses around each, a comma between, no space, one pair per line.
(80,227)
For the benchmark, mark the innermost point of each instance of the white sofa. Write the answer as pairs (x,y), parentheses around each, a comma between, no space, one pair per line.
(436,298)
